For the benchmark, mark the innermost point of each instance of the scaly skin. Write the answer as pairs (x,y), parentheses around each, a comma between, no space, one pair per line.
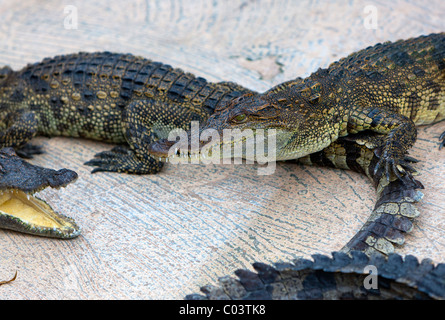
(332,278)
(20,210)
(302,104)
(394,210)
(386,89)
(116,98)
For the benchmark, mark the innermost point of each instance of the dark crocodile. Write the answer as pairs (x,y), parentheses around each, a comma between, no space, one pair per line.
(341,276)
(111,97)
(20,210)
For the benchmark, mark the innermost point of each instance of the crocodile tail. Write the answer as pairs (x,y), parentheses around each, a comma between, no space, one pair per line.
(342,276)
(390,220)
(394,211)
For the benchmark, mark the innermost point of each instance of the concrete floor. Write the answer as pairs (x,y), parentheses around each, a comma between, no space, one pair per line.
(163,236)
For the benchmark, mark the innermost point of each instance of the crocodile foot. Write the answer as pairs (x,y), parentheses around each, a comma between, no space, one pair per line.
(28,150)
(123,159)
(389,163)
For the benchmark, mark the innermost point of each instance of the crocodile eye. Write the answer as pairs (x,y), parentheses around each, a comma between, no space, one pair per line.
(240,118)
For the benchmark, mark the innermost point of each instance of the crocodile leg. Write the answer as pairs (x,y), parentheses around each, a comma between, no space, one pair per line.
(399,135)
(144,122)
(124,159)
(23,125)
(394,211)
(28,150)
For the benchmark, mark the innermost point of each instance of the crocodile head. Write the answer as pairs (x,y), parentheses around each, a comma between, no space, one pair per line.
(281,127)
(20,210)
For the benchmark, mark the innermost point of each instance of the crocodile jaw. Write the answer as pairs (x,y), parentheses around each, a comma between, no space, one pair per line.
(23,212)
(270,145)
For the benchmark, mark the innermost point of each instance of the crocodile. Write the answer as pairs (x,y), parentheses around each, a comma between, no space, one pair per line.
(112,97)
(385,90)
(360,113)
(117,98)
(20,210)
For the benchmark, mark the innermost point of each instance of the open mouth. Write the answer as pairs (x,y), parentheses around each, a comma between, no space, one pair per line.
(20,210)
(24,212)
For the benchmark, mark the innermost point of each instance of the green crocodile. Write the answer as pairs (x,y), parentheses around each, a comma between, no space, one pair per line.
(375,97)
(116,98)
(386,90)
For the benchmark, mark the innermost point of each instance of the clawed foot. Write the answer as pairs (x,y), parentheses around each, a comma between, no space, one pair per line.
(123,159)
(28,150)
(394,166)
(397,165)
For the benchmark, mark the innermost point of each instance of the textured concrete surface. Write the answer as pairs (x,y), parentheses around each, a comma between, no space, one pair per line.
(150,237)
